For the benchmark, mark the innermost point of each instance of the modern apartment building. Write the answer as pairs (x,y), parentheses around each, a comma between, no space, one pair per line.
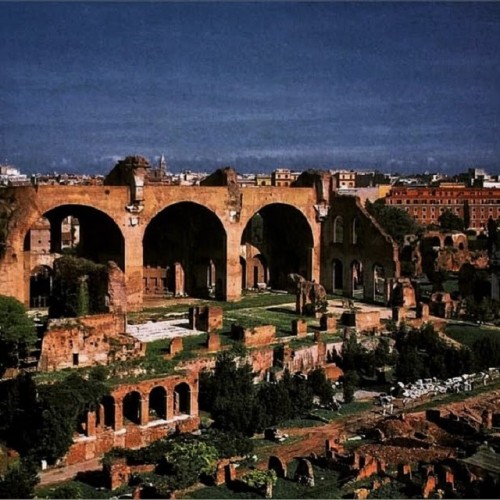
(426,204)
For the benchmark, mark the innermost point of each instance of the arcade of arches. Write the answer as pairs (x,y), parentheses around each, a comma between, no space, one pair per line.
(204,242)
(134,415)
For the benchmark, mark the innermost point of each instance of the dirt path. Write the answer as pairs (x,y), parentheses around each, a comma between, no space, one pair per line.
(65,473)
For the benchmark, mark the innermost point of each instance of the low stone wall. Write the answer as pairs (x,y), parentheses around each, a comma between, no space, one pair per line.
(131,436)
(256,336)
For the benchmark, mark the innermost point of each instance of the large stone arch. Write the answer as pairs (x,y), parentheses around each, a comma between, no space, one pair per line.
(184,246)
(100,240)
(285,240)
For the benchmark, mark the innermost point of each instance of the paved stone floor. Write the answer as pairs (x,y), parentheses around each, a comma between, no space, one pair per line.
(157,330)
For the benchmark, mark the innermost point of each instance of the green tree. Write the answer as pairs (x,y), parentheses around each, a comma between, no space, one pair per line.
(229,395)
(449,221)
(39,421)
(320,386)
(19,413)
(300,393)
(187,461)
(70,490)
(79,287)
(350,381)
(395,222)
(61,406)
(19,481)
(17,333)
(272,405)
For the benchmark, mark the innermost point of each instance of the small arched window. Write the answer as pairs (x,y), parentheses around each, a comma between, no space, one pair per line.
(338,230)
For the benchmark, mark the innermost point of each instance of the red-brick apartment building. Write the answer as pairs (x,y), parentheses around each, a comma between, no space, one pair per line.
(426,204)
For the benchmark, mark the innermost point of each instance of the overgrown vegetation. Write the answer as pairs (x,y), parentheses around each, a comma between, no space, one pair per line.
(17,333)
(395,222)
(39,420)
(79,288)
(237,405)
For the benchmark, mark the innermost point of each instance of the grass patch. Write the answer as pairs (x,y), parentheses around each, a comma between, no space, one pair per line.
(86,491)
(467,334)
(249,300)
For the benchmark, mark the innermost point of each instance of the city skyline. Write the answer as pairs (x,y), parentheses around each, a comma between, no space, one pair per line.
(395,86)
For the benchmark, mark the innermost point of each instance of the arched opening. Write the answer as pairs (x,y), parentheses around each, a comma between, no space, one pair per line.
(435,242)
(357,279)
(280,241)
(355,225)
(378,283)
(185,252)
(158,403)
(132,408)
(338,276)
(70,233)
(461,246)
(40,286)
(182,399)
(86,232)
(338,230)
(406,259)
(448,241)
(108,404)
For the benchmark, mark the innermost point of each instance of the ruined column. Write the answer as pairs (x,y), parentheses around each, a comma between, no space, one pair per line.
(118,416)
(100,412)
(170,406)
(233,269)
(193,407)
(133,262)
(144,416)
(90,428)
(55,234)
(179,279)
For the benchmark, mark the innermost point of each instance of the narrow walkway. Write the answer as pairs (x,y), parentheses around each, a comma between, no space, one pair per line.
(59,474)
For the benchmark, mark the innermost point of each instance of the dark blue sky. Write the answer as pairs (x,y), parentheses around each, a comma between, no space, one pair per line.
(397,86)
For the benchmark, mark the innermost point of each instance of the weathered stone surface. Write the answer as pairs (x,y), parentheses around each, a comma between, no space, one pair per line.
(310,296)
(299,328)
(175,346)
(213,342)
(361,320)
(205,318)
(256,336)
(328,323)
(86,341)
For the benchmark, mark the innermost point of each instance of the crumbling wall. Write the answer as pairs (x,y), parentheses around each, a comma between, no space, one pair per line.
(363,241)
(86,341)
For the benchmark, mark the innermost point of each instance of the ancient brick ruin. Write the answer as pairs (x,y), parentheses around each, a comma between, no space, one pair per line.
(211,240)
